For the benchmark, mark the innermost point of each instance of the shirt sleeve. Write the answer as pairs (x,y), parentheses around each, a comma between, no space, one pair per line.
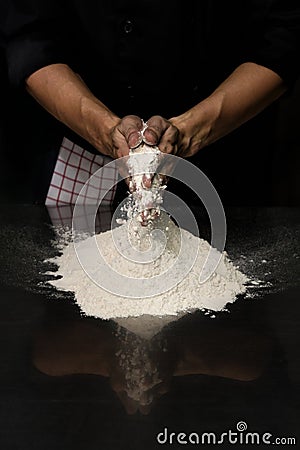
(33,36)
(278,47)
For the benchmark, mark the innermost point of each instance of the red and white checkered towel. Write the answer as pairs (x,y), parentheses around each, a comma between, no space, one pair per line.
(63,216)
(73,168)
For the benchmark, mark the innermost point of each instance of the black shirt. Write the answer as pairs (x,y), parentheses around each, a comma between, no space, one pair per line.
(164,54)
(150,57)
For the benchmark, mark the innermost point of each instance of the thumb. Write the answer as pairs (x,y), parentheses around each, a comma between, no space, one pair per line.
(131,128)
(156,127)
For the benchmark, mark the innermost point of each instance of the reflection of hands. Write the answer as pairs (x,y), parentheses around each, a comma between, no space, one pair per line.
(141,371)
(235,353)
(140,374)
(140,400)
(146,401)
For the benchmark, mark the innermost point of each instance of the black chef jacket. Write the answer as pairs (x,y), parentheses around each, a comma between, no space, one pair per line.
(150,57)
(151,50)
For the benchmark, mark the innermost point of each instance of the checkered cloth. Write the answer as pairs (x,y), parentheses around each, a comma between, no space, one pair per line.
(62,216)
(73,168)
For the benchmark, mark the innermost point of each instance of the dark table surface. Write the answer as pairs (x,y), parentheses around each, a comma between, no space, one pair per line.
(60,382)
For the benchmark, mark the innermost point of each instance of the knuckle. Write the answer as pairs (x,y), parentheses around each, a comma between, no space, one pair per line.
(132,120)
(152,129)
(130,129)
(155,121)
(175,130)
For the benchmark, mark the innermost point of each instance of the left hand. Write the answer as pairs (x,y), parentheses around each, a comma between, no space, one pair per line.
(163,133)
(182,136)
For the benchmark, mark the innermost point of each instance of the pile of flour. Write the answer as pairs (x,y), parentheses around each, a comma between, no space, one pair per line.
(185,296)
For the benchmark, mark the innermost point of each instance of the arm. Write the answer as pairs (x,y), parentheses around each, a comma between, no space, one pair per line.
(39,53)
(64,94)
(237,354)
(244,94)
(73,348)
(268,68)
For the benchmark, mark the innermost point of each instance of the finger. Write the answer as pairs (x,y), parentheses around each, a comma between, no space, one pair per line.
(130,184)
(130,405)
(156,127)
(167,164)
(147,181)
(131,128)
(159,180)
(163,388)
(145,409)
(122,167)
(169,140)
(117,384)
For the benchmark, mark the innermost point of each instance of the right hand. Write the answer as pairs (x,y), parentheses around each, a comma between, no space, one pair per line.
(125,135)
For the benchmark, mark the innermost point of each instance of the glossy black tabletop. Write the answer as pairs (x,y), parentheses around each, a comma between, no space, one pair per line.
(61,381)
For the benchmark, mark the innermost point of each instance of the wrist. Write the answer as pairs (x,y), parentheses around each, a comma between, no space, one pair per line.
(98,122)
(197,125)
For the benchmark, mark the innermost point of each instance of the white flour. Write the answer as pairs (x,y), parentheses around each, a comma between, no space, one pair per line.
(188,295)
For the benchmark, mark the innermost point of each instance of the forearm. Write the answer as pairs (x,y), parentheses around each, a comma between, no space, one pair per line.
(245,93)
(63,93)
(217,353)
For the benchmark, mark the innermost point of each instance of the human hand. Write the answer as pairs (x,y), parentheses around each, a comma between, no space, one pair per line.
(125,135)
(141,372)
(148,393)
(194,129)
(163,133)
(183,135)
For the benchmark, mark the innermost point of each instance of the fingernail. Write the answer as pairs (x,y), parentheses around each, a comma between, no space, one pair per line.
(152,137)
(135,139)
(146,181)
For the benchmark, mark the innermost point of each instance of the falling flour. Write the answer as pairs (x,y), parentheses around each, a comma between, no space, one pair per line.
(146,185)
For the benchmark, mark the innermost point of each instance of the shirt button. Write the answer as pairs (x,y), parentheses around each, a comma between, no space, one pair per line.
(128,26)
(130,91)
